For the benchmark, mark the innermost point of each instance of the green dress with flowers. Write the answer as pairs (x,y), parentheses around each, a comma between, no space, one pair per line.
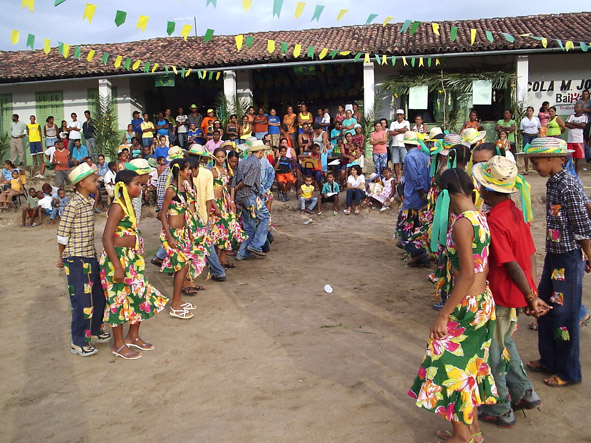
(454,376)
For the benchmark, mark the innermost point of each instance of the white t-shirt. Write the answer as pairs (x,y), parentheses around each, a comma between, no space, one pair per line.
(576,135)
(398,140)
(530,127)
(110,180)
(326,118)
(49,152)
(182,119)
(356,182)
(75,135)
(45,202)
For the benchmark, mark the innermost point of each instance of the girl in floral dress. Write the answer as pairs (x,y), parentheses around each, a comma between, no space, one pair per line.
(130,298)
(181,236)
(226,233)
(454,377)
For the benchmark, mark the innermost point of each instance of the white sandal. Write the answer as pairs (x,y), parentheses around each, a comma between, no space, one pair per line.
(188,306)
(180,313)
(134,356)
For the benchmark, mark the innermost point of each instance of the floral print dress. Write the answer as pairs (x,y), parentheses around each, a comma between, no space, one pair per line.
(134,299)
(226,232)
(454,376)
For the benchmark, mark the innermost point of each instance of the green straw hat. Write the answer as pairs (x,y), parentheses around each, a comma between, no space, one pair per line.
(80,172)
(140,165)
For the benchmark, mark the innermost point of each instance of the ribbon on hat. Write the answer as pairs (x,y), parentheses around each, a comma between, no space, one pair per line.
(524,189)
(455,162)
(440,221)
(125,205)
(434,162)
(528,149)
(424,148)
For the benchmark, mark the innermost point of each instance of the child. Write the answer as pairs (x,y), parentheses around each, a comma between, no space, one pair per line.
(330,193)
(77,254)
(58,205)
(195,135)
(109,180)
(130,298)
(16,187)
(386,196)
(315,172)
(31,209)
(466,319)
(45,198)
(284,174)
(306,195)
(503,142)
(568,232)
(162,166)
(162,149)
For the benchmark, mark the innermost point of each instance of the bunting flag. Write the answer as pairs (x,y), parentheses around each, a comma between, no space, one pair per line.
(120,17)
(560,43)
(283,49)
(311,51)
(118,61)
(270,46)
(105,58)
(170,27)
(155,67)
(89,11)
(77,52)
(209,2)
(174,70)
(435,27)
(370,18)
(387,20)
(437,63)
(65,50)
(127,64)
(147,67)
(299,9)
(378,59)
(136,64)
(544,42)
(277,5)
(185,31)
(249,41)
(333,54)
(414,27)
(489,36)
(405,26)
(366,58)
(183,72)
(217,76)
(188,72)
(323,53)
(46,46)
(317,12)
(31,41)
(509,37)
(569,45)
(90,55)
(297,50)
(453,33)
(429,62)
(239,40)
(341,13)
(472,36)
(58,2)
(209,35)
(357,56)
(584,46)
(412,62)
(404,61)
(246,4)
(28,4)
(393,60)
(421,62)
(142,21)
(345,53)
(15,36)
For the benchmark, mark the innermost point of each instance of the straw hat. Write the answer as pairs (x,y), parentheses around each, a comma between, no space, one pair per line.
(174,153)
(546,147)
(434,134)
(153,162)
(229,144)
(122,147)
(471,135)
(140,165)
(256,146)
(498,174)
(411,138)
(197,149)
(80,172)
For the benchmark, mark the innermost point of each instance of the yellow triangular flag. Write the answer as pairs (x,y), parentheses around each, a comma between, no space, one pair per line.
(297,50)
(185,31)
(89,11)
(472,36)
(384,60)
(435,27)
(239,40)
(323,54)
(142,22)
(15,36)
(174,70)
(46,46)
(366,58)
(388,20)
(90,55)
(299,9)
(270,46)
(404,61)
(544,42)
(28,4)
(136,64)
(246,4)
(118,61)
(345,53)
(569,45)
(217,76)
(341,13)
(66,50)
(437,62)
(155,67)
(188,72)
(421,62)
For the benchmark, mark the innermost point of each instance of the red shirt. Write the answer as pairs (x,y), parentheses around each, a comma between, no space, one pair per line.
(62,158)
(511,240)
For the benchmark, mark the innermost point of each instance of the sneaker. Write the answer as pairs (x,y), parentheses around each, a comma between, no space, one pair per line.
(384,208)
(246,257)
(219,279)
(256,252)
(530,400)
(103,337)
(507,420)
(83,351)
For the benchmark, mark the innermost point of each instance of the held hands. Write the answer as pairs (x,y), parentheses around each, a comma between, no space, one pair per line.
(537,308)
(119,275)
(439,328)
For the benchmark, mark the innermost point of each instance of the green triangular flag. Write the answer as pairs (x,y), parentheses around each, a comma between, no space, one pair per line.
(147,67)
(489,36)
(249,41)
(317,12)
(414,27)
(213,2)
(560,43)
(412,62)
(508,37)
(378,59)
(370,18)
(105,58)
(277,5)
(208,35)
(60,48)
(170,25)
(429,62)
(283,48)
(333,54)
(58,2)
(210,77)
(77,52)
(311,51)
(584,46)
(166,68)
(405,26)
(454,33)
(357,57)
(393,59)
(120,17)
(127,64)
(31,41)
(183,73)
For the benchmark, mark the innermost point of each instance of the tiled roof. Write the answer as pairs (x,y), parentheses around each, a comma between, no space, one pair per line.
(376,39)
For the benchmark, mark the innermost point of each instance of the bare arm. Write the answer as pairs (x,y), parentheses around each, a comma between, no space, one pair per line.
(114,217)
(168,196)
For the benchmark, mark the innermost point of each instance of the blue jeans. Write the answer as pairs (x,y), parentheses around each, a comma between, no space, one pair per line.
(182,138)
(147,141)
(217,270)
(380,162)
(356,193)
(255,227)
(558,331)
(312,203)
(527,139)
(512,380)
(161,254)
(259,135)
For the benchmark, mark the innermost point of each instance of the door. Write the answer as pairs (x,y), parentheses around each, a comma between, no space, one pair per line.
(5,113)
(49,103)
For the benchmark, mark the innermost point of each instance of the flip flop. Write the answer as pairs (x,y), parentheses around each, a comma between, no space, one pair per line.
(536,366)
(183,314)
(229,265)
(145,347)
(190,290)
(560,383)
(188,306)
(134,356)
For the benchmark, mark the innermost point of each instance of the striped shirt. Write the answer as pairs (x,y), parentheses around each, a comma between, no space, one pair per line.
(76,228)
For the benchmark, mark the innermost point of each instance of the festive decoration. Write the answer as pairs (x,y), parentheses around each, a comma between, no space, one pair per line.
(15,36)
(299,9)
(31,41)
(89,11)
(208,35)
(142,21)
(170,27)
(239,40)
(185,31)
(212,2)
(46,46)
(370,18)
(341,13)
(246,4)
(28,4)
(387,20)
(120,17)
(277,5)
(317,12)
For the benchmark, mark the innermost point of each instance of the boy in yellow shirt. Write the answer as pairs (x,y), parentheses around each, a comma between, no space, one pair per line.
(34,133)
(306,194)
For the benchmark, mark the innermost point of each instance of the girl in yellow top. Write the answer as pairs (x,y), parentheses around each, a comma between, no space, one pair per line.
(555,126)
(245,130)
(16,186)
(304,117)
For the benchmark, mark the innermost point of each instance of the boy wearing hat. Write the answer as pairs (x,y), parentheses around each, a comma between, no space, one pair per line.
(77,254)
(511,276)
(568,234)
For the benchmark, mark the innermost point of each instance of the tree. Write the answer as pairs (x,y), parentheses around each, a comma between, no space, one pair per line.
(107,136)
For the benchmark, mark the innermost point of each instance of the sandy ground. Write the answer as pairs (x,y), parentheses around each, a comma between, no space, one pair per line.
(269,356)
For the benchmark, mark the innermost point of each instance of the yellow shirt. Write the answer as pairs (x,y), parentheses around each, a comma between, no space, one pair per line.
(307,191)
(204,187)
(147,125)
(34,132)
(15,184)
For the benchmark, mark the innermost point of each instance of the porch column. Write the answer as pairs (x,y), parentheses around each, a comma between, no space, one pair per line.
(104,88)
(522,78)
(368,89)
(244,86)
(230,88)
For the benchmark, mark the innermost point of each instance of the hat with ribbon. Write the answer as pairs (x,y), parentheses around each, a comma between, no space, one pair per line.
(140,165)
(197,149)
(153,162)
(80,172)
(546,147)
(450,140)
(435,134)
(174,153)
(411,138)
(228,144)
(472,135)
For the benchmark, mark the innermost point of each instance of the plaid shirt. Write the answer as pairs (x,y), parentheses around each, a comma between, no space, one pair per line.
(161,187)
(249,173)
(76,228)
(567,220)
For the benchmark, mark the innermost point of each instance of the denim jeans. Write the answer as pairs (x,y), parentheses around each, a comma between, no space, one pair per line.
(91,146)
(182,138)
(512,380)
(312,203)
(255,227)
(356,193)
(380,162)
(147,142)
(527,139)
(161,254)
(217,270)
(558,331)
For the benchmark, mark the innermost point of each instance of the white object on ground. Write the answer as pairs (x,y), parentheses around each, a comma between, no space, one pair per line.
(328,289)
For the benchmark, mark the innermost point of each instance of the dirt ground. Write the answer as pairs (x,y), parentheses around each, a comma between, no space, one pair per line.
(268,357)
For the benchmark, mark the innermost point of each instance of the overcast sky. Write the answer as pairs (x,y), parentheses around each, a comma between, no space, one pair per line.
(64,22)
